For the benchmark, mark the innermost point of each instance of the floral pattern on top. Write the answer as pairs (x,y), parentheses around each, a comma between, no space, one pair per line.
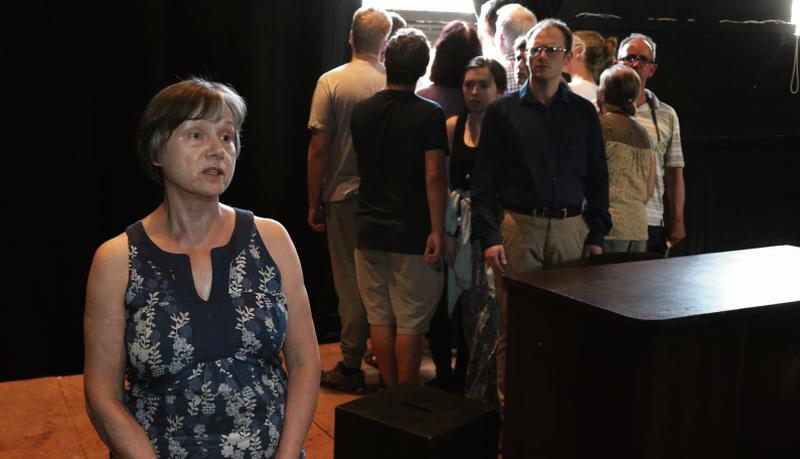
(205,378)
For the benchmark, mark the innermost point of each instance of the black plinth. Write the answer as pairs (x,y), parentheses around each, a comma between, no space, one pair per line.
(692,357)
(412,421)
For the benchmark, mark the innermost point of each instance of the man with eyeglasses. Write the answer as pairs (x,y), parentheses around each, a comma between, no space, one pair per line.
(540,156)
(638,51)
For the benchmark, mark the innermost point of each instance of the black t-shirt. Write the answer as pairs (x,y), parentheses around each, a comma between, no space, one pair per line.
(391,132)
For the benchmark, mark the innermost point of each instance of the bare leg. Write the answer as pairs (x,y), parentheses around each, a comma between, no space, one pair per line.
(383,344)
(408,349)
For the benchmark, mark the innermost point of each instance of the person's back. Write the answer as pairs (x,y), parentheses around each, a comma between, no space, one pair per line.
(333,181)
(391,134)
(400,141)
(341,89)
(631,160)
(629,153)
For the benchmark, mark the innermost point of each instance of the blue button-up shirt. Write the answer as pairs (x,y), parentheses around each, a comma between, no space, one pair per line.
(533,156)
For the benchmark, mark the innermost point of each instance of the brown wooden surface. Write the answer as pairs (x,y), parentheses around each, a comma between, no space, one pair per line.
(681,287)
(674,358)
(46,417)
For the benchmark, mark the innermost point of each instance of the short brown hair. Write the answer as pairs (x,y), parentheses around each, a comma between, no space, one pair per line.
(371,26)
(190,99)
(407,56)
(548,23)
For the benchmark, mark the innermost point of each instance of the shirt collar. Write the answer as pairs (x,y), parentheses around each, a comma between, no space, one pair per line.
(526,96)
(651,96)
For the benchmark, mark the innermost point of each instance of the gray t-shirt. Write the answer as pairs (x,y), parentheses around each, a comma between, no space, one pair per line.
(337,92)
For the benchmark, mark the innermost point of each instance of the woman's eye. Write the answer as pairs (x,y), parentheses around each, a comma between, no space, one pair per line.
(226,137)
(194,135)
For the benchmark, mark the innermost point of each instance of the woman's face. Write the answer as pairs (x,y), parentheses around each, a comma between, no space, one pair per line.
(479,89)
(200,156)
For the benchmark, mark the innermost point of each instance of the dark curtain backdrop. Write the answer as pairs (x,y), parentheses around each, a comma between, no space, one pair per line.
(79,75)
(729,83)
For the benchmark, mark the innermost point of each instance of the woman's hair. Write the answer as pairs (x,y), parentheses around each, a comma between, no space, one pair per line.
(619,86)
(495,68)
(598,52)
(190,99)
(456,45)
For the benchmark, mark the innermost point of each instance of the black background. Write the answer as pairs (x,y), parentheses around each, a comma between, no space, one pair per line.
(77,77)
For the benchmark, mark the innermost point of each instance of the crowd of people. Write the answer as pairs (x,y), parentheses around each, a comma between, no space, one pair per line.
(527,146)
(555,151)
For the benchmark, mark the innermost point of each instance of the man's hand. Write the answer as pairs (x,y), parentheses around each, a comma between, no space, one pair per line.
(316,219)
(676,232)
(591,249)
(433,247)
(449,250)
(496,258)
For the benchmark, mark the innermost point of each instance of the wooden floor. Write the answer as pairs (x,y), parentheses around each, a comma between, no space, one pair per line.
(46,417)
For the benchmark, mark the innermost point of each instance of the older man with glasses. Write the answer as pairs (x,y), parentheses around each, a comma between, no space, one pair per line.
(541,156)
(639,52)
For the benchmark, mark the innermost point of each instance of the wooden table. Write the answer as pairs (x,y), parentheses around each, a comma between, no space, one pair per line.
(675,358)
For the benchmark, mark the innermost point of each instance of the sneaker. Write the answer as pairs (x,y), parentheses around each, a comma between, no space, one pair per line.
(344,379)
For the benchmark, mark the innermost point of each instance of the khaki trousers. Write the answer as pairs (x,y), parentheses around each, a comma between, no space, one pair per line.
(532,244)
(342,234)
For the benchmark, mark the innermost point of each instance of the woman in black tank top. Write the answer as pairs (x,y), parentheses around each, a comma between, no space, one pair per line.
(468,286)
(483,82)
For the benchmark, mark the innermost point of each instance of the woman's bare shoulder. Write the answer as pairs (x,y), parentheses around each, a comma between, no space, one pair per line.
(113,251)
(108,275)
(270,230)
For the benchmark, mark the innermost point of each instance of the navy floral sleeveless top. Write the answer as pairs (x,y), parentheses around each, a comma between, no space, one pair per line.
(205,378)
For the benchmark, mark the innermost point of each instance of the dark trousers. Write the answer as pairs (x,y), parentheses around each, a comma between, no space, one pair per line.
(443,334)
(657,239)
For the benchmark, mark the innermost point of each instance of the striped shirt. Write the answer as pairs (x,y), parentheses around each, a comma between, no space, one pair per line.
(667,145)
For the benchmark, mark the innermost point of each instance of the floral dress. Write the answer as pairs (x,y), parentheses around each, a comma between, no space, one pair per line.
(205,378)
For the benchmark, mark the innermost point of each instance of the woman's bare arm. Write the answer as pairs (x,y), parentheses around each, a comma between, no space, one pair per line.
(451,129)
(104,358)
(300,348)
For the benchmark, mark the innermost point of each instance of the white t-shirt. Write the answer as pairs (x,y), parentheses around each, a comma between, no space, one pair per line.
(584,88)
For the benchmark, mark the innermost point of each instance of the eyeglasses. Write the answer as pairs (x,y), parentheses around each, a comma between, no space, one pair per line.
(550,51)
(635,58)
